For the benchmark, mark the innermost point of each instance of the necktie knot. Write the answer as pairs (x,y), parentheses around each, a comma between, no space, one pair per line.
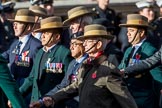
(18,47)
(19,43)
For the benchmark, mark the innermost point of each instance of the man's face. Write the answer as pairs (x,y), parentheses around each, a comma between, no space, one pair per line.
(133,36)
(90,46)
(103,2)
(149,13)
(48,38)
(77,49)
(160,11)
(18,28)
(74,26)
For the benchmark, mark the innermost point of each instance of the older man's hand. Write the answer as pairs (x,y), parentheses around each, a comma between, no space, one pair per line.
(36,104)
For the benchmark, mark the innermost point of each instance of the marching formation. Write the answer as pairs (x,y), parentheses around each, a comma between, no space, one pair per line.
(91,59)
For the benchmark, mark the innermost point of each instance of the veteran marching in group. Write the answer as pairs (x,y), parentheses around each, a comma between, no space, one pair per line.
(92,59)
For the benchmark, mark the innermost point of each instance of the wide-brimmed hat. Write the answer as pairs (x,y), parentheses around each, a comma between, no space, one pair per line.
(37,10)
(136,20)
(95,31)
(77,12)
(50,23)
(24,15)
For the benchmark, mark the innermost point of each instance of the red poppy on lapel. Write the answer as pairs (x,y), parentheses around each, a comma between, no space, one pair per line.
(94,75)
(25,53)
(138,56)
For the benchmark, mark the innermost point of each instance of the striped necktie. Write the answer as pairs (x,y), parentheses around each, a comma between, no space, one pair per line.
(18,46)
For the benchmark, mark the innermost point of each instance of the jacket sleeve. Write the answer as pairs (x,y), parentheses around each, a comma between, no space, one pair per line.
(66,93)
(9,86)
(149,63)
(120,91)
(6,55)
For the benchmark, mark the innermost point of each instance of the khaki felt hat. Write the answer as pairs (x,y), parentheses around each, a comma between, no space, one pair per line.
(96,31)
(24,15)
(136,20)
(37,10)
(50,23)
(77,12)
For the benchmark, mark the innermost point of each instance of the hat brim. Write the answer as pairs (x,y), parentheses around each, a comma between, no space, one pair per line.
(43,29)
(13,20)
(67,21)
(108,37)
(135,25)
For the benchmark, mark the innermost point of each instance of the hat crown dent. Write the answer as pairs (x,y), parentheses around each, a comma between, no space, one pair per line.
(24,12)
(94,27)
(51,19)
(38,10)
(137,19)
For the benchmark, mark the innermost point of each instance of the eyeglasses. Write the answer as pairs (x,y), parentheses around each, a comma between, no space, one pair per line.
(91,41)
(75,43)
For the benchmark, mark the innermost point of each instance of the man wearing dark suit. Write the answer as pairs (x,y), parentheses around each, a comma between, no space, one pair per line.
(22,51)
(140,85)
(9,87)
(51,61)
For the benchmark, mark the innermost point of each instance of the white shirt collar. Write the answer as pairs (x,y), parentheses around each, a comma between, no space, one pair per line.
(24,41)
(49,48)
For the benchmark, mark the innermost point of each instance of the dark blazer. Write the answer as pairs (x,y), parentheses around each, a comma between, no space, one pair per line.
(140,85)
(9,87)
(99,86)
(59,54)
(32,46)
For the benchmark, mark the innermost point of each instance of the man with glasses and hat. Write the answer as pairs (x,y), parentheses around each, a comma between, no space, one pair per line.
(22,51)
(139,84)
(51,61)
(112,51)
(98,82)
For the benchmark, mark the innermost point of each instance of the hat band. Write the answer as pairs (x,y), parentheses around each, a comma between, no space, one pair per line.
(96,32)
(52,24)
(77,13)
(137,22)
(25,18)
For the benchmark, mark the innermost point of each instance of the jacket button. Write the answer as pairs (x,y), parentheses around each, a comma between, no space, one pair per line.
(128,84)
